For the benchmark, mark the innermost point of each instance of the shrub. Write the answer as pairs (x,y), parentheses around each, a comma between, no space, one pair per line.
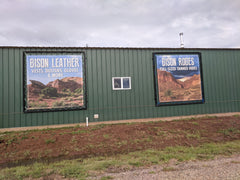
(168,92)
(32,104)
(49,92)
(74,105)
(41,96)
(44,104)
(64,90)
(37,104)
(79,91)
(58,104)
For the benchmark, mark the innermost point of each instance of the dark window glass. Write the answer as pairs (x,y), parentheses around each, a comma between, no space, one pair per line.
(117,83)
(126,83)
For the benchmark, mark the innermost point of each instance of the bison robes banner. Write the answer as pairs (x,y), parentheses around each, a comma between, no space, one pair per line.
(178,78)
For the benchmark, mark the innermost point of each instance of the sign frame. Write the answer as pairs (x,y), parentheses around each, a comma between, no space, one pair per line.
(26,109)
(156,85)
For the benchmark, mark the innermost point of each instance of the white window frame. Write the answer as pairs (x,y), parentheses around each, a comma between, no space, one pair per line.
(113,78)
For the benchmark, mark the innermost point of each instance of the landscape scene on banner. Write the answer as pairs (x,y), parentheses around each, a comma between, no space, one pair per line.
(60,93)
(179,83)
(54,81)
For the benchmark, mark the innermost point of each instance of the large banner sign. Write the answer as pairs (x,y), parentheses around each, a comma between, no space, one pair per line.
(54,82)
(178,78)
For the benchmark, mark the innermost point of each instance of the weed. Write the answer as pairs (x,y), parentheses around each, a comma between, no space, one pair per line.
(143,140)
(195,123)
(152,172)
(162,133)
(91,146)
(24,137)
(234,130)
(169,169)
(2,140)
(106,136)
(48,141)
(73,140)
(12,140)
(106,178)
(26,153)
(122,143)
(47,152)
(100,126)
(196,135)
(224,131)
(77,126)
(77,149)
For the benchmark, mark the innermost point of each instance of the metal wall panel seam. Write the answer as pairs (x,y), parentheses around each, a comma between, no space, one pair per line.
(11,87)
(1,89)
(109,82)
(5,89)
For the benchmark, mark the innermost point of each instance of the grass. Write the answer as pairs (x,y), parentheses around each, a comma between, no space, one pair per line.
(80,131)
(196,118)
(228,131)
(196,135)
(85,168)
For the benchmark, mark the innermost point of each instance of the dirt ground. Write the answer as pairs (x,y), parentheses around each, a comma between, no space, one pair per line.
(23,147)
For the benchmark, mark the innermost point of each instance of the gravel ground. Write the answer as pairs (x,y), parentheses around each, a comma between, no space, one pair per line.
(221,168)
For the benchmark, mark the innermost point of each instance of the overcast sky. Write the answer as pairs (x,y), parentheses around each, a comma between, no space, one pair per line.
(120,23)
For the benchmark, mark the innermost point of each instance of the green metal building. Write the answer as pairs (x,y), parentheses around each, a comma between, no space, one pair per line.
(118,84)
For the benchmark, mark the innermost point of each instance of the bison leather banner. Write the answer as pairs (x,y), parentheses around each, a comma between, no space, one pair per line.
(178,78)
(54,82)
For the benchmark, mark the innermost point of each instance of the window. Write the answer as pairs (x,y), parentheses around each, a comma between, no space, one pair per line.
(121,83)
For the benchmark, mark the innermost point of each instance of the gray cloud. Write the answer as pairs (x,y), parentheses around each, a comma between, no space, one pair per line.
(124,23)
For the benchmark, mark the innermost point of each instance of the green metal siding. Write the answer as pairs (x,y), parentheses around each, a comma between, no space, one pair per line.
(220,70)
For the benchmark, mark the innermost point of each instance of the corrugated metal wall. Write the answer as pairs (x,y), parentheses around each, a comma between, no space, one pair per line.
(221,82)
